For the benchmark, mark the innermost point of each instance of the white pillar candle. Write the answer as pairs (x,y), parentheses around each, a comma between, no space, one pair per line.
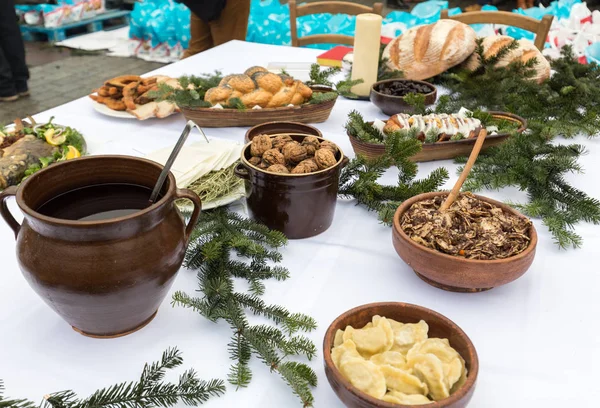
(367,39)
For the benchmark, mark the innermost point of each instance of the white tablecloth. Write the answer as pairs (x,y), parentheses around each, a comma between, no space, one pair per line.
(537,338)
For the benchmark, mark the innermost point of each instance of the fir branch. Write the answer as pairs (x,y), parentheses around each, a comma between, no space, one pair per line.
(150,391)
(565,105)
(13,403)
(215,239)
(321,77)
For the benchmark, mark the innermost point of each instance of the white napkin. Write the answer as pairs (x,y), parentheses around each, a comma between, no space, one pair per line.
(198,159)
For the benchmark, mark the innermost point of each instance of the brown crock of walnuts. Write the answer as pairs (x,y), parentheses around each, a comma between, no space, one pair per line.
(285,155)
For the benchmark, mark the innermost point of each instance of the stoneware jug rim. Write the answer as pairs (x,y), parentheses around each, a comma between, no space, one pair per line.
(27,210)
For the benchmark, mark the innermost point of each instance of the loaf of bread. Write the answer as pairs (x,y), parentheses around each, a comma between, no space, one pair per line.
(526,51)
(258,87)
(426,51)
(447,127)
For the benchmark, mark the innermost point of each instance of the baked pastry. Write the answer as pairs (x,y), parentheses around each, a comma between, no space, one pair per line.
(426,51)
(446,126)
(526,51)
(258,87)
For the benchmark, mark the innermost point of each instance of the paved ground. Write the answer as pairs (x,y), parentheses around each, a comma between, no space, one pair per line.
(69,76)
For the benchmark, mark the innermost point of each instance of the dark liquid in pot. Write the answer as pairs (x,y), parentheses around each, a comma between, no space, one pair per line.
(98,202)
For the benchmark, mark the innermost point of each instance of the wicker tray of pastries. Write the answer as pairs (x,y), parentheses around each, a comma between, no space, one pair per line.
(266,97)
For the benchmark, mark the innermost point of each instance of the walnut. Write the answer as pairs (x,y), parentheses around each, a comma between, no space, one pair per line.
(312,144)
(306,166)
(260,144)
(273,156)
(280,141)
(326,144)
(278,168)
(294,153)
(325,158)
(255,161)
(263,165)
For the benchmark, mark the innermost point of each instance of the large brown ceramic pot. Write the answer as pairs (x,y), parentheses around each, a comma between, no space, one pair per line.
(105,278)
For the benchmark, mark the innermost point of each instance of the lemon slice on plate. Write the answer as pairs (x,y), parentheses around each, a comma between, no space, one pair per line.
(53,138)
(72,153)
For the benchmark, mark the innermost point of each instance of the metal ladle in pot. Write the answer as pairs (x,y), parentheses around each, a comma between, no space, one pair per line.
(167,167)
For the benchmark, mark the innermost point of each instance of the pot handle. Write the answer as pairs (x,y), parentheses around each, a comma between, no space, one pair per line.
(345,161)
(241,171)
(5,212)
(193,197)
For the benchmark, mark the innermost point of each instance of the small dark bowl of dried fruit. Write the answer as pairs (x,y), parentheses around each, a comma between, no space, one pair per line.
(475,245)
(390,95)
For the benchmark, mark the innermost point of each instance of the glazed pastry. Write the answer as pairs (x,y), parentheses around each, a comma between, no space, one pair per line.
(258,87)
(447,125)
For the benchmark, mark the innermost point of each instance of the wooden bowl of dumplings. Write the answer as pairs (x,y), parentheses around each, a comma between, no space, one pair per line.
(411,316)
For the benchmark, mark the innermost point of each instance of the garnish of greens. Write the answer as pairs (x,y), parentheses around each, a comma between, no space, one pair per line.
(193,88)
(216,184)
(71,138)
(225,248)
(147,392)
(565,105)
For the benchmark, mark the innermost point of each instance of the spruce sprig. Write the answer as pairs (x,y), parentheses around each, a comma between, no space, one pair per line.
(148,392)
(565,105)
(216,238)
(13,403)
(191,91)
(359,179)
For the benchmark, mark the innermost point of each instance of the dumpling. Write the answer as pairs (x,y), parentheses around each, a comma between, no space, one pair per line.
(347,348)
(438,347)
(404,399)
(339,338)
(430,370)
(393,358)
(372,340)
(461,380)
(452,363)
(402,381)
(406,335)
(364,375)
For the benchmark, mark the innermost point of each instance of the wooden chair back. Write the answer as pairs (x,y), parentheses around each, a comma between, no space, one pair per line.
(333,7)
(539,27)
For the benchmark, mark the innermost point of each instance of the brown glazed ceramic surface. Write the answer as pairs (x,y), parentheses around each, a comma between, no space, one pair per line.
(299,205)
(442,150)
(392,105)
(439,326)
(306,113)
(105,278)
(454,273)
(275,128)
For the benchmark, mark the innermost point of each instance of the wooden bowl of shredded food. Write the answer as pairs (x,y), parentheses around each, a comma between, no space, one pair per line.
(476,245)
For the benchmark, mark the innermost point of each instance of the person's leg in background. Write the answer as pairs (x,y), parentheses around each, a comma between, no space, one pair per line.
(201,37)
(233,22)
(13,69)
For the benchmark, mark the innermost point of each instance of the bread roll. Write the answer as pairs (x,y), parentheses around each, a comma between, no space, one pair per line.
(426,51)
(261,88)
(526,51)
